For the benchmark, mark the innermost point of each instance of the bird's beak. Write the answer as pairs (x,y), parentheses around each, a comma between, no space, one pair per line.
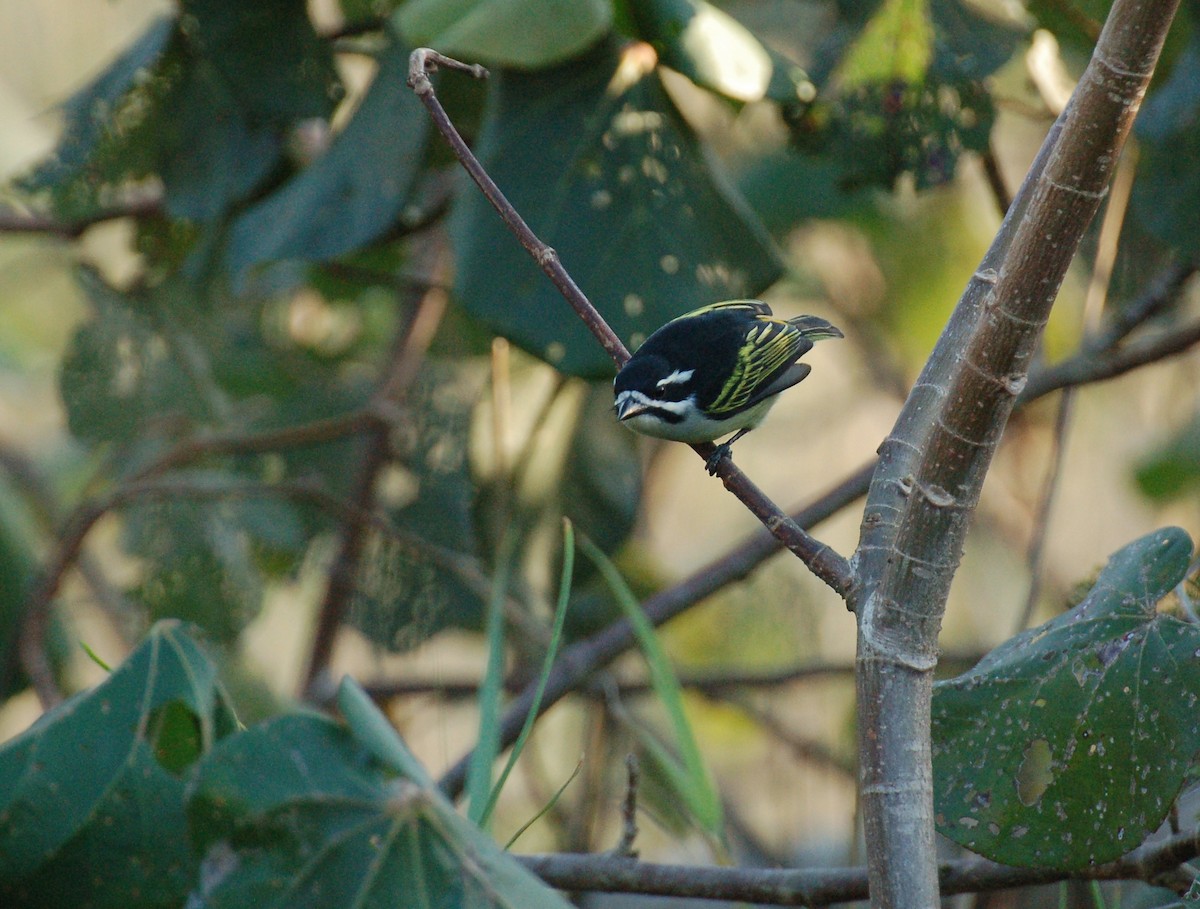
(628,406)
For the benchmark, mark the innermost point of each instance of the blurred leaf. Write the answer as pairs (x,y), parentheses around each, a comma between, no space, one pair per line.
(527,34)
(102,114)
(1066,745)
(487,743)
(198,561)
(119,373)
(204,101)
(903,91)
(688,774)
(716,51)
(1173,469)
(296,812)
(374,731)
(354,192)
(91,798)
(896,46)
(276,66)
(427,577)
(602,482)
(603,168)
(1166,194)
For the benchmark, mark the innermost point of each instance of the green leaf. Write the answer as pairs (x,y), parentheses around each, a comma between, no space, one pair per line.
(104,114)
(1173,468)
(688,775)
(1166,194)
(603,168)
(716,51)
(198,560)
(427,577)
(91,796)
(1066,745)
(269,55)
(119,373)
(895,46)
(902,92)
(354,192)
(527,34)
(487,742)
(297,813)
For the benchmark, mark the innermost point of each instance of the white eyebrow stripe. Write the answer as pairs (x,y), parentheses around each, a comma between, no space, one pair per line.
(679,375)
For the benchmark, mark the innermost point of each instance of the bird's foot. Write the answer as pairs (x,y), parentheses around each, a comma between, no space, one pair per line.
(714,459)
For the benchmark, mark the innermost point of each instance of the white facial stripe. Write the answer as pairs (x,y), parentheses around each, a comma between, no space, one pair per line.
(679,375)
(677,407)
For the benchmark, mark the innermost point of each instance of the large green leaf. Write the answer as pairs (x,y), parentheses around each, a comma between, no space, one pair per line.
(91,796)
(1068,743)
(716,51)
(299,814)
(603,168)
(527,34)
(354,192)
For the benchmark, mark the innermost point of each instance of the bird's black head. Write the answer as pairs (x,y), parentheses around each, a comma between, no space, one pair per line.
(654,377)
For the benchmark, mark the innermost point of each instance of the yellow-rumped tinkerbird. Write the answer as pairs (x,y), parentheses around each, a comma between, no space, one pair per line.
(713,371)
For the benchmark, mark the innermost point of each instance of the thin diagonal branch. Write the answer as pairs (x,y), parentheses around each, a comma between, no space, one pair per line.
(826,564)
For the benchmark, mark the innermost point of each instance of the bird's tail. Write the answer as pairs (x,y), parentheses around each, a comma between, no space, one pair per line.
(815,328)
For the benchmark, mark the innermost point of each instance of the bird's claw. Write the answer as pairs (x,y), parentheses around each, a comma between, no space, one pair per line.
(714,459)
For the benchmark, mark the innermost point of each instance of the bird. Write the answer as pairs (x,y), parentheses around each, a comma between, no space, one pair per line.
(714,371)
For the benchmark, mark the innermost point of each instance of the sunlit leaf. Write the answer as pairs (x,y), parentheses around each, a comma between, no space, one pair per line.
(297,812)
(716,51)
(91,796)
(1066,745)
(527,34)
(598,161)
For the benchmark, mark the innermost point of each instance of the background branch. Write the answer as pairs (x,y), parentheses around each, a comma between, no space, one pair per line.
(821,887)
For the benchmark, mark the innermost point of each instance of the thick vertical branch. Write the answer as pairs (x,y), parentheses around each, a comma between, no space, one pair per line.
(933,464)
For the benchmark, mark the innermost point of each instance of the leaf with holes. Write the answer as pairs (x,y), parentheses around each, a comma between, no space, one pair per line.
(91,796)
(601,165)
(299,812)
(1068,743)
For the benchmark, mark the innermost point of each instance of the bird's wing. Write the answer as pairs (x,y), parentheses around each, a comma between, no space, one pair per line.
(753,307)
(770,348)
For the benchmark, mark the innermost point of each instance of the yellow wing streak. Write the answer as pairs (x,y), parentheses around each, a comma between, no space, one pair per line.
(771,345)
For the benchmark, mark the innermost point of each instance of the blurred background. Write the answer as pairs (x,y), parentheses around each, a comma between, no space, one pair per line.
(238,226)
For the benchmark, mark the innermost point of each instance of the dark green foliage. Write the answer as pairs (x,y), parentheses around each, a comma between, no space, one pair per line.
(1166,196)
(297,813)
(1067,744)
(902,91)
(91,797)
(354,192)
(608,174)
